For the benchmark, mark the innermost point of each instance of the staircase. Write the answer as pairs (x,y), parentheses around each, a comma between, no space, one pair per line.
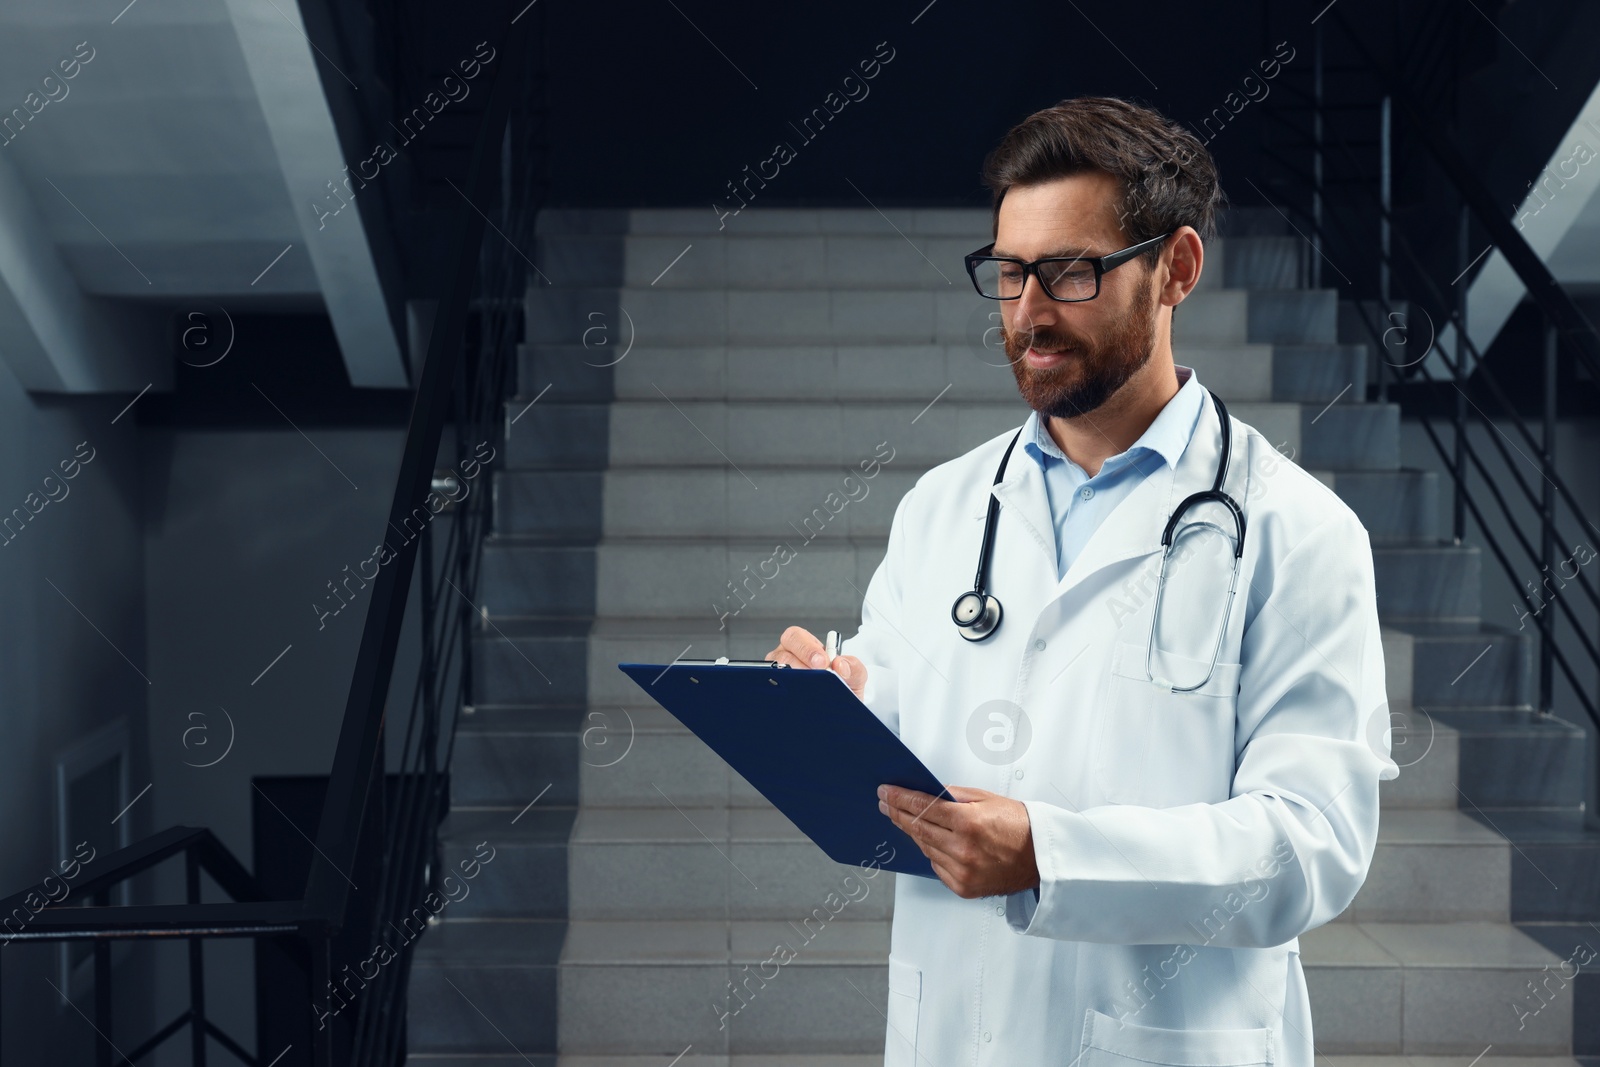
(687,397)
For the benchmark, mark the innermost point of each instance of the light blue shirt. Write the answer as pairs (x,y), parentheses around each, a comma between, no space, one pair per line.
(1078,503)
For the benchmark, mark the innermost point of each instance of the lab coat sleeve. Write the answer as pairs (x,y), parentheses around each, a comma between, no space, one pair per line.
(879,644)
(1291,846)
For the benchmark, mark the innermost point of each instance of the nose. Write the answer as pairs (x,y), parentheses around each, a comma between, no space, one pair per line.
(1033,308)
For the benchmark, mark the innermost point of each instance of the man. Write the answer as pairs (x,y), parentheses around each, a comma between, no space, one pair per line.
(1147,825)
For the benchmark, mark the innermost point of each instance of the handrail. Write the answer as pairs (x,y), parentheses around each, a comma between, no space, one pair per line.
(140,856)
(1542,286)
(1461,455)
(354,814)
(359,748)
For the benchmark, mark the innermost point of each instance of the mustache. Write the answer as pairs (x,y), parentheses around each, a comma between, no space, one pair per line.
(1043,339)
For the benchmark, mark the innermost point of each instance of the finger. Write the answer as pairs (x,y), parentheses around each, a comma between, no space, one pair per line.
(852,670)
(929,836)
(935,842)
(785,657)
(805,646)
(967,794)
(922,806)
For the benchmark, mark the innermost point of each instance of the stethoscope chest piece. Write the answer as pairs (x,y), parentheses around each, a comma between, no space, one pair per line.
(976,615)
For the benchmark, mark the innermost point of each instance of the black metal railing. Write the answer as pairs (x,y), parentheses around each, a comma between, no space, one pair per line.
(1536,511)
(386,798)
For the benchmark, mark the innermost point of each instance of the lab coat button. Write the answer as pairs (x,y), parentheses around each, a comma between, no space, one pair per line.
(1018,773)
(986,1035)
(1038,645)
(999,909)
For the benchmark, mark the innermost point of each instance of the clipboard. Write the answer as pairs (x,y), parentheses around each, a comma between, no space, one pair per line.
(808,744)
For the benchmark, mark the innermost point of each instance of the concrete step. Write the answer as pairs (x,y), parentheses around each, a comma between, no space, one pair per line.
(818,501)
(692,1059)
(669,431)
(1434,866)
(527,877)
(1574,943)
(1376,988)
(1287,316)
(1471,664)
(1426,581)
(626,502)
(738,259)
(1394,505)
(746,863)
(675,977)
(1517,758)
(876,1060)
(1426,752)
(1317,373)
(606,366)
(825,570)
(1255,262)
(485,983)
(1555,867)
(936,222)
(951,313)
(1440,989)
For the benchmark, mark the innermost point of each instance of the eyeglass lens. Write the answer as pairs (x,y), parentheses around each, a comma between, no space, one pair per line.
(1064,279)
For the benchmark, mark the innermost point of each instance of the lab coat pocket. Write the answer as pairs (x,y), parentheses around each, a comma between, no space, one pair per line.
(1108,1043)
(1161,748)
(905,1005)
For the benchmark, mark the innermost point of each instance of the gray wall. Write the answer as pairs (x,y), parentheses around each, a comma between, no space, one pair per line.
(60,679)
(243,529)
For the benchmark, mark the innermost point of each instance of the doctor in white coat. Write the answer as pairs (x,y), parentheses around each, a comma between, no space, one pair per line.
(1142,828)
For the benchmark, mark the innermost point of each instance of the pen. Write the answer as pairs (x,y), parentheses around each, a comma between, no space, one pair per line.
(832,646)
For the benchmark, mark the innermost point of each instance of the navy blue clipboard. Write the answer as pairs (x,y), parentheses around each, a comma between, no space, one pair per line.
(806,743)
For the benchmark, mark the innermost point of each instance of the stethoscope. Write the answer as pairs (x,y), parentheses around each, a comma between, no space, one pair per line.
(977,613)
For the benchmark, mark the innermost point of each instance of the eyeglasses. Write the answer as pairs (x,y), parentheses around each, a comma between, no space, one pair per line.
(1067,280)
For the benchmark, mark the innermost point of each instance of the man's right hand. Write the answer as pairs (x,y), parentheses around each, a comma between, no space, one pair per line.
(801,648)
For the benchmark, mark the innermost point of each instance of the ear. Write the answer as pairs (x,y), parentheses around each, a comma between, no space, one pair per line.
(1180,268)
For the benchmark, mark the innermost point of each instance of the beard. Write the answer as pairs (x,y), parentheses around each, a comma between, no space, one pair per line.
(1093,372)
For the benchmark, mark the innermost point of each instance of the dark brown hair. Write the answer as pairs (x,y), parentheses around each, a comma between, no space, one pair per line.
(1168,177)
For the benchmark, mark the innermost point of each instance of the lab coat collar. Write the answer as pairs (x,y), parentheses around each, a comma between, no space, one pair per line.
(1134,526)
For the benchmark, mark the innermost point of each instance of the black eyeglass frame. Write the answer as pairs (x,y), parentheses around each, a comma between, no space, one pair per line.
(1101,264)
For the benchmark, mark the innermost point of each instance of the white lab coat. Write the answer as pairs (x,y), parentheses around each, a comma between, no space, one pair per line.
(1184,840)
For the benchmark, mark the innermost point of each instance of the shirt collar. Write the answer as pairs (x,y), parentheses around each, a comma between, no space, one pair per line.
(1167,436)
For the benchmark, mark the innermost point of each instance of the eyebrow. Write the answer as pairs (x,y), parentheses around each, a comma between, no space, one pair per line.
(1068,252)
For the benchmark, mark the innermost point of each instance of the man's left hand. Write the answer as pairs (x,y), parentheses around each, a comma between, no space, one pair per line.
(980,847)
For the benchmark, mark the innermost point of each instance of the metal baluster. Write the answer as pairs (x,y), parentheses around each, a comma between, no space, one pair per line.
(197,971)
(320,945)
(1316,162)
(1547,523)
(1386,192)
(1459,520)
(102,989)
